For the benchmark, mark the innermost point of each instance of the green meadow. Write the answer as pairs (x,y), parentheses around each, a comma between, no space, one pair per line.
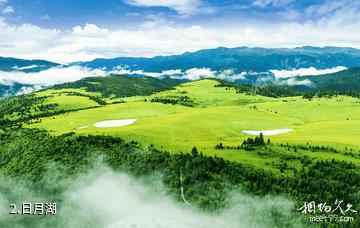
(207,115)
(68,99)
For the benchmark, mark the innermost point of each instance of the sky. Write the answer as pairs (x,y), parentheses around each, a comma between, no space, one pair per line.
(81,30)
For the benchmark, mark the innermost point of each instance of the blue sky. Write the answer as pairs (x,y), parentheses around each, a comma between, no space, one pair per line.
(120,13)
(71,30)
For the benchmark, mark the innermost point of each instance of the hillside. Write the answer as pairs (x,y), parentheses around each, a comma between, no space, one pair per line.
(9,86)
(118,86)
(196,134)
(86,93)
(185,116)
(14,64)
(348,80)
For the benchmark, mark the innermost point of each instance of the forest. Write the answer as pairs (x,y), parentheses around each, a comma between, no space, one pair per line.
(25,155)
(117,86)
(297,170)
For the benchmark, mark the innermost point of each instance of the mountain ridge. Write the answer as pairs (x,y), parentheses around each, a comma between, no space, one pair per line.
(9,64)
(241,59)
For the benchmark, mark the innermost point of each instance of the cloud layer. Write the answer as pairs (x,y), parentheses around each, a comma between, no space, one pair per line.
(331,23)
(52,76)
(190,74)
(311,71)
(184,7)
(31,82)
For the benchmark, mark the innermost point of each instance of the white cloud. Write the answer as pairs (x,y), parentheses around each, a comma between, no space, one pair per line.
(191,74)
(172,72)
(52,76)
(26,40)
(8,10)
(28,89)
(125,71)
(45,17)
(305,72)
(25,67)
(271,3)
(330,7)
(198,73)
(160,37)
(294,82)
(136,72)
(89,30)
(3,1)
(185,7)
(104,198)
(136,209)
(229,74)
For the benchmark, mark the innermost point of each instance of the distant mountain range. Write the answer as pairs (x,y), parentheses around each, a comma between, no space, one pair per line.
(20,65)
(242,59)
(13,64)
(258,64)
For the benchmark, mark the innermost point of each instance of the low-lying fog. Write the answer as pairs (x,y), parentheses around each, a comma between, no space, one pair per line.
(104,198)
(34,81)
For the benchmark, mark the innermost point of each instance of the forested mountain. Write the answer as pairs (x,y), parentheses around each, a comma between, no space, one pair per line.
(347,80)
(120,86)
(240,59)
(13,64)
(242,65)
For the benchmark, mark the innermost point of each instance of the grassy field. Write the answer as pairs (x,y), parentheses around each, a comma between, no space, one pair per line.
(219,114)
(69,99)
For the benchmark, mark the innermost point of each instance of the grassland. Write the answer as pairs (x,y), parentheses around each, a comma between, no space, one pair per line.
(219,114)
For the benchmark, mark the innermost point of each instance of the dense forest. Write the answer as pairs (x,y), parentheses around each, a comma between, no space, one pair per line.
(347,80)
(19,109)
(268,90)
(121,86)
(25,155)
(342,83)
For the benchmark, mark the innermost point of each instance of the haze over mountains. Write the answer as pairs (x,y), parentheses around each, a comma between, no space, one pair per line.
(241,65)
(22,65)
(242,59)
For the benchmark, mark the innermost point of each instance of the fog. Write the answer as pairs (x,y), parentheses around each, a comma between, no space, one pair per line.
(16,82)
(104,198)
(49,77)
(311,71)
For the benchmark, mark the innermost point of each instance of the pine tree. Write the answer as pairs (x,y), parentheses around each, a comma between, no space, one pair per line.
(261,139)
(194,151)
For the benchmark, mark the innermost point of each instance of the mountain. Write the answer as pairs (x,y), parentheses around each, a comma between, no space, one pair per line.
(343,81)
(242,65)
(241,59)
(20,65)
(7,90)
(340,81)
(13,64)
(118,86)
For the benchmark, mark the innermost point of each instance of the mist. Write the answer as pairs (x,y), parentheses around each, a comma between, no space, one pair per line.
(17,82)
(105,198)
(311,71)
(49,77)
